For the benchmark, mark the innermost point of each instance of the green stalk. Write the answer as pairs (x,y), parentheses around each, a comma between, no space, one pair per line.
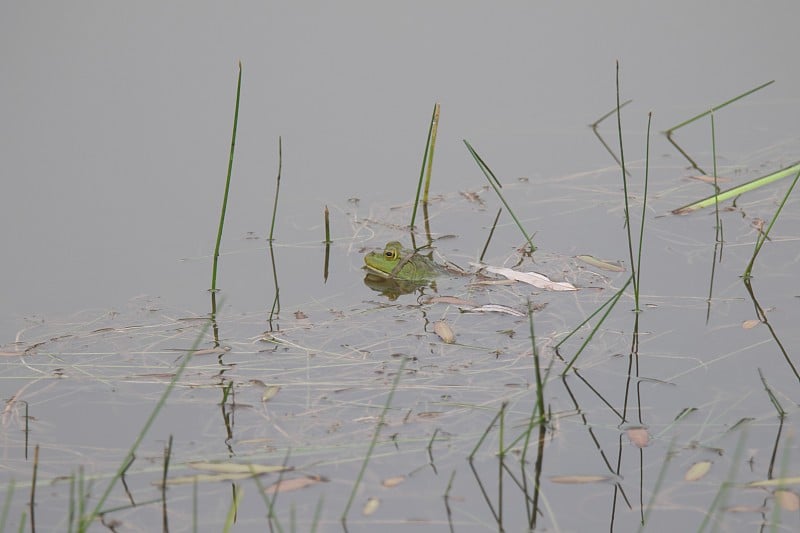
(227,182)
(434,118)
(277,189)
(434,130)
(625,191)
(6,504)
(495,183)
(718,107)
(644,212)
(762,237)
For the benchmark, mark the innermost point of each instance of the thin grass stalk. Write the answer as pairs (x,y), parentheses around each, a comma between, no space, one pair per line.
(716,186)
(644,212)
(772,398)
(194,506)
(718,107)
(536,366)
(762,237)
(233,510)
(167,455)
(374,441)
(657,487)
(33,487)
(491,233)
(85,521)
(501,434)
(495,183)
(434,130)
(227,182)
(625,190)
(596,124)
(615,299)
(277,190)
(327,215)
(422,170)
(486,432)
(22,519)
(6,505)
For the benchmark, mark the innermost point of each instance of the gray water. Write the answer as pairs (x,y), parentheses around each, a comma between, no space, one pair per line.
(115,126)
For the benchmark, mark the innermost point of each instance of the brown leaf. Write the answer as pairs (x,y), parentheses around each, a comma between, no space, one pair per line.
(639,437)
(697,471)
(445,332)
(787,500)
(287,485)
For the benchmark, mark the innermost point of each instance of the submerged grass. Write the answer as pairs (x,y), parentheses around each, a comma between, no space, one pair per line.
(86,521)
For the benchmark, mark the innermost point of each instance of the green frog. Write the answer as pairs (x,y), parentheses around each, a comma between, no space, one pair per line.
(402,264)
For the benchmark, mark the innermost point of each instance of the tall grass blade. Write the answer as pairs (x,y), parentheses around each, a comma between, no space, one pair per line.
(718,107)
(625,191)
(33,487)
(277,190)
(644,212)
(495,183)
(227,182)
(233,510)
(434,131)
(434,120)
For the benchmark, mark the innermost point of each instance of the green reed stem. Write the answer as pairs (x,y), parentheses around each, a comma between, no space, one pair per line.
(434,120)
(327,226)
(644,212)
(718,235)
(434,131)
(718,107)
(227,182)
(495,183)
(610,303)
(277,189)
(625,192)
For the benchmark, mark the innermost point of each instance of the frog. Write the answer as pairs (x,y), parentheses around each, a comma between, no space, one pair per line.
(402,264)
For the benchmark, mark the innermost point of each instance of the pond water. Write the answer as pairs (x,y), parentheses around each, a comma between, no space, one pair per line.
(116,127)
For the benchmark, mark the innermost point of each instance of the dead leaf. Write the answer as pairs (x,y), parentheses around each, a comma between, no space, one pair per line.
(391,482)
(787,500)
(750,324)
(270,392)
(237,468)
(445,332)
(602,264)
(697,471)
(496,308)
(540,281)
(639,437)
(287,485)
(371,506)
(299,315)
(709,179)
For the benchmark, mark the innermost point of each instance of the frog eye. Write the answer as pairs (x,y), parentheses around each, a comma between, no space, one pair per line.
(390,254)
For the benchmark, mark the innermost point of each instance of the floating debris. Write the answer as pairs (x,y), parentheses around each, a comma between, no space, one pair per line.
(540,281)
(603,264)
(697,471)
(445,332)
